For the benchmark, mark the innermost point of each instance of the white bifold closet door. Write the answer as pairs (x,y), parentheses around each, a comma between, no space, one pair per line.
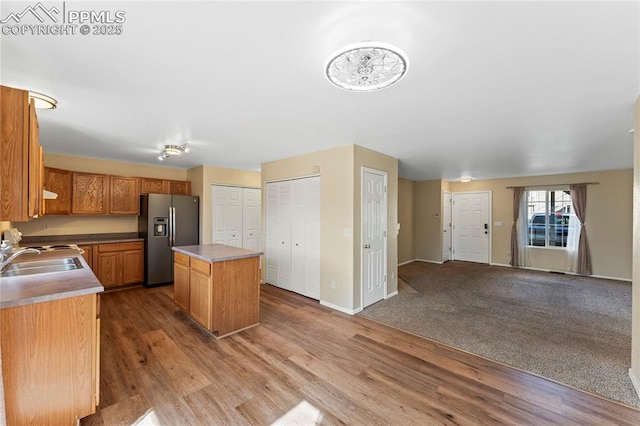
(237,216)
(293,235)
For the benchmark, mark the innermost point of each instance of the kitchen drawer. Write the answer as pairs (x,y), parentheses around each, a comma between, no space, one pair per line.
(181,259)
(102,248)
(201,266)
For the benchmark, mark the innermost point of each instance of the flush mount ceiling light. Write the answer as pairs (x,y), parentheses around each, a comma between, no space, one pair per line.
(43,101)
(171,150)
(366,66)
(465,179)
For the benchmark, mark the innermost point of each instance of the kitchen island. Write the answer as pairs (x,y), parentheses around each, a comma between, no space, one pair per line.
(218,286)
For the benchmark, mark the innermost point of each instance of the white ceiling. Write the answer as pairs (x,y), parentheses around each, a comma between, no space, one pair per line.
(493,90)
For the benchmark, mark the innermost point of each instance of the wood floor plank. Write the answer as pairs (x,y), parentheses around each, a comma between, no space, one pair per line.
(306,363)
(185,376)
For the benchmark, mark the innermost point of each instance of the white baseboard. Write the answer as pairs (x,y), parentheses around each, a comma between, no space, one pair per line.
(609,278)
(388,296)
(407,262)
(340,308)
(604,277)
(636,381)
(429,261)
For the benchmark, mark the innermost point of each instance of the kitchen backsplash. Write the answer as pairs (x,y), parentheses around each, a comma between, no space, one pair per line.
(66,225)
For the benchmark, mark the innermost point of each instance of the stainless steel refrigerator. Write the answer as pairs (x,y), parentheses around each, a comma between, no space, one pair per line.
(166,221)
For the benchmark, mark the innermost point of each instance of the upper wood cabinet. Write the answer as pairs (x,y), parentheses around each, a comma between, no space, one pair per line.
(90,193)
(20,157)
(58,181)
(124,195)
(177,187)
(162,186)
(151,186)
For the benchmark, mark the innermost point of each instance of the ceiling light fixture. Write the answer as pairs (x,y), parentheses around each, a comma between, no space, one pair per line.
(173,150)
(465,179)
(43,101)
(366,66)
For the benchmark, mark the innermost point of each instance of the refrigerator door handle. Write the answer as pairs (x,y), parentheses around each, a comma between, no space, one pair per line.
(170,230)
(173,226)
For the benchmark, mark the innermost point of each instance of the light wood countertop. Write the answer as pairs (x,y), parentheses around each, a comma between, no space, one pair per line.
(216,252)
(28,289)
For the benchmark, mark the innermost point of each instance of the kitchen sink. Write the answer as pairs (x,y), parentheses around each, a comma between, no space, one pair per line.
(41,267)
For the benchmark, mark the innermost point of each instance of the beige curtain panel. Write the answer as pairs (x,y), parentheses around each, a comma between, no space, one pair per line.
(517,197)
(579,201)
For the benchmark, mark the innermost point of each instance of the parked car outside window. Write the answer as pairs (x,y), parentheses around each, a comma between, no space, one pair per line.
(557,226)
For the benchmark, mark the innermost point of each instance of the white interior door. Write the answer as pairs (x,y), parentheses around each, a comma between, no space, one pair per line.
(272,237)
(374,236)
(305,236)
(283,253)
(446,227)
(471,226)
(227,215)
(252,218)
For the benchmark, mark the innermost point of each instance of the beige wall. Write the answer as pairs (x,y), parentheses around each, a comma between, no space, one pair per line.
(374,160)
(608,222)
(634,372)
(340,196)
(428,220)
(335,167)
(119,168)
(202,177)
(406,213)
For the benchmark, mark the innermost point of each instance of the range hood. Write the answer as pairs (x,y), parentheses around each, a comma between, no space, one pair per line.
(48,195)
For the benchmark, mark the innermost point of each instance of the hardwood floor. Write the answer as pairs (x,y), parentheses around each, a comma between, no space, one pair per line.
(306,364)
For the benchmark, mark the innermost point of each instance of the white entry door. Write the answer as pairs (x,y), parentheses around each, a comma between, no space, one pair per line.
(227,215)
(471,226)
(373,253)
(446,227)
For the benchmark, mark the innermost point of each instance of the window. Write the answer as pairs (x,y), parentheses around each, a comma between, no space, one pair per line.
(548,214)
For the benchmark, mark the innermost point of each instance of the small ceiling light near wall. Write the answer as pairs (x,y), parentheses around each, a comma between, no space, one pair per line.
(174,150)
(366,66)
(43,101)
(465,179)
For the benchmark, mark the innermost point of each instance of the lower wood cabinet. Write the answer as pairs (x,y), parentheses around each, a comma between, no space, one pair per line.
(200,290)
(51,360)
(181,281)
(223,297)
(117,264)
(87,254)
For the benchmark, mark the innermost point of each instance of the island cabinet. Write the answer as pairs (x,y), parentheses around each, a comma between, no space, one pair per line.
(218,286)
(181,281)
(51,360)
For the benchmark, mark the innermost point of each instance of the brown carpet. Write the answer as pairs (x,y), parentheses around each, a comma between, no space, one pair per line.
(574,330)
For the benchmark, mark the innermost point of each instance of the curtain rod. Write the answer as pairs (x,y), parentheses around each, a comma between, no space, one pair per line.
(555,184)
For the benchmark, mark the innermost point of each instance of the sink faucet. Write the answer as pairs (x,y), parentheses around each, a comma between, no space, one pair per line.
(6,259)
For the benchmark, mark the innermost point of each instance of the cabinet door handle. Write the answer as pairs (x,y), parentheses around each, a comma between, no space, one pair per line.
(367,246)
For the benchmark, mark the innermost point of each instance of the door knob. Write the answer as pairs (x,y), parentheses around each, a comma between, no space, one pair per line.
(367,246)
